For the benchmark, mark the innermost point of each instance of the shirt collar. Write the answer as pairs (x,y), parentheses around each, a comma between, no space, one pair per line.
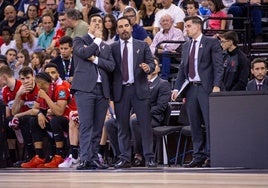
(130,40)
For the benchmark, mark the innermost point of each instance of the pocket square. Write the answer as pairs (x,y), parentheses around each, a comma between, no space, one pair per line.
(138,51)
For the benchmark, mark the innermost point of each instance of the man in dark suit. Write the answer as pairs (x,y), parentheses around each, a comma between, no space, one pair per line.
(259,70)
(65,61)
(134,61)
(160,93)
(93,61)
(202,66)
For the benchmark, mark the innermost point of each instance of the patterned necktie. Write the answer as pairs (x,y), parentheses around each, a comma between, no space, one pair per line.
(125,63)
(191,61)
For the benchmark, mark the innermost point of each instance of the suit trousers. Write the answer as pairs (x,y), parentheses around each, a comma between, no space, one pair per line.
(197,106)
(92,108)
(142,109)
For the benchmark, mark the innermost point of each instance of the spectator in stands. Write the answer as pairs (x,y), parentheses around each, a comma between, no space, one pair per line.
(122,5)
(109,8)
(68,4)
(45,39)
(52,6)
(76,27)
(24,101)
(32,19)
(109,29)
(168,32)
(11,55)
(11,19)
(25,39)
(23,58)
(146,16)
(3,4)
(88,10)
(7,38)
(203,9)
(241,8)
(60,32)
(259,71)
(160,93)
(192,8)
(216,7)
(24,5)
(9,91)
(37,61)
(176,13)
(235,62)
(65,61)
(138,31)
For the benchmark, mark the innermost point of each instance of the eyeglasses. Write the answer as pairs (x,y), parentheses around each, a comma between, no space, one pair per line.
(50,4)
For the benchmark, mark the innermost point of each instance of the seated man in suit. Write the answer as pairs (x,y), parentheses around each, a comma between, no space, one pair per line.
(259,70)
(160,92)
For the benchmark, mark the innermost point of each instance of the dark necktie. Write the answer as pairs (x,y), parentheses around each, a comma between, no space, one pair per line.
(125,63)
(191,61)
(259,87)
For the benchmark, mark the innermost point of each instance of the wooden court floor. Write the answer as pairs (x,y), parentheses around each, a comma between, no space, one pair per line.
(134,178)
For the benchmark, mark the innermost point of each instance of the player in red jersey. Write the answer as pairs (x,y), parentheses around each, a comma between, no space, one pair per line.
(11,86)
(24,100)
(71,114)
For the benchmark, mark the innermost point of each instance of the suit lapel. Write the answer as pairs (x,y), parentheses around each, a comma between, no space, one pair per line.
(136,51)
(202,46)
(88,39)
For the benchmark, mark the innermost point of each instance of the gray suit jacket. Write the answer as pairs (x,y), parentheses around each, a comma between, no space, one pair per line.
(252,86)
(85,75)
(141,54)
(210,64)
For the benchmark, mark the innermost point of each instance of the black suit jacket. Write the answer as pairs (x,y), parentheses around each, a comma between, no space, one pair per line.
(252,86)
(58,61)
(210,63)
(86,75)
(141,54)
(160,92)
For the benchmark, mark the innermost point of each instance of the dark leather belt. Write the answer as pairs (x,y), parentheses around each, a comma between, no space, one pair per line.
(128,84)
(196,83)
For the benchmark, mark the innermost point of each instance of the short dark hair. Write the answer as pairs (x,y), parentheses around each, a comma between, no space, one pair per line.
(195,20)
(66,39)
(258,60)
(122,18)
(94,15)
(193,2)
(51,65)
(6,28)
(129,9)
(24,71)
(231,35)
(43,76)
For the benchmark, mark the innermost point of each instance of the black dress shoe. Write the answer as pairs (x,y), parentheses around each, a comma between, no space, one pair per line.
(138,163)
(150,163)
(97,165)
(122,163)
(84,165)
(194,163)
(206,163)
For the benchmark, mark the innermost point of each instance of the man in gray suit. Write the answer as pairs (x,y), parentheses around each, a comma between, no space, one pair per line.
(259,70)
(202,66)
(134,62)
(92,61)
